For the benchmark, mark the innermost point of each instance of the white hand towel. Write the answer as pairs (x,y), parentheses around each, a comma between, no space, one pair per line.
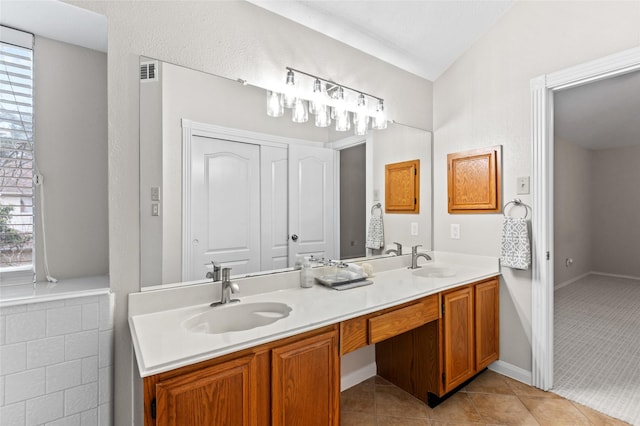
(375,236)
(516,248)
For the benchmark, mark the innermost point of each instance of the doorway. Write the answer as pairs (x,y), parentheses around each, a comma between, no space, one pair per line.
(353,210)
(542,286)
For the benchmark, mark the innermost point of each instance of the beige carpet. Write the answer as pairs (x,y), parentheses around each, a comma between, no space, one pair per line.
(597,345)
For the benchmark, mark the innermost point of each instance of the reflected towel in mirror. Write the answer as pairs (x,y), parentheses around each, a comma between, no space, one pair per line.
(375,236)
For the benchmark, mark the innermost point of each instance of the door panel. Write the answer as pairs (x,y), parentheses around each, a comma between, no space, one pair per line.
(311,202)
(275,215)
(458,336)
(224,210)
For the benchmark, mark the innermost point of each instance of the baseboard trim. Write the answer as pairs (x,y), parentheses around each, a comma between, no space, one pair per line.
(512,371)
(357,376)
(571,281)
(606,274)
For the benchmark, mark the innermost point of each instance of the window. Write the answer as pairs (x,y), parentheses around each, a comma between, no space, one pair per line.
(16,152)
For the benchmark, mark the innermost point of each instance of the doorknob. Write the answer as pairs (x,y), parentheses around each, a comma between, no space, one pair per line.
(294,237)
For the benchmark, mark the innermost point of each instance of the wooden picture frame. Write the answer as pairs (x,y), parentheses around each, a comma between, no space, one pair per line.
(402,187)
(474,181)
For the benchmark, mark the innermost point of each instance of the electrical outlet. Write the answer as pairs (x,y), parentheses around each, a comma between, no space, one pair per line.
(155,209)
(523,185)
(414,228)
(455,231)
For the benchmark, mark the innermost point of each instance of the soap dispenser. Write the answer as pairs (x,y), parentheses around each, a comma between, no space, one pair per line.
(306,274)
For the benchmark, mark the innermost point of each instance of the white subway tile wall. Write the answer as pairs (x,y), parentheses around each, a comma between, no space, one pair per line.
(56,363)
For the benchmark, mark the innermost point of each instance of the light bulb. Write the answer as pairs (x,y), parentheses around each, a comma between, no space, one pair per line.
(275,107)
(299,113)
(289,94)
(319,96)
(380,119)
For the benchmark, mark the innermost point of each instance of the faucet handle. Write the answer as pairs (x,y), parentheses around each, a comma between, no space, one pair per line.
(215,272)
(414,249)
(398,247)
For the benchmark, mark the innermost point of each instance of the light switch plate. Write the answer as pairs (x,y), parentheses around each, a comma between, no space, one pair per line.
(155,193)
(414,228)
(523,185)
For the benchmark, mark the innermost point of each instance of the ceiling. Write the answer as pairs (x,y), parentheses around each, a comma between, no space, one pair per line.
(423,37)
(600,115)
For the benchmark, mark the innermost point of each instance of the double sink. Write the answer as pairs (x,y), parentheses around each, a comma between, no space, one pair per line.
(234,317)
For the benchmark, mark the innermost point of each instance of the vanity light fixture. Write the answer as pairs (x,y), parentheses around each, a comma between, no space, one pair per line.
(327,101)
(289,94)
(380,118)
(275,104)
(360,117)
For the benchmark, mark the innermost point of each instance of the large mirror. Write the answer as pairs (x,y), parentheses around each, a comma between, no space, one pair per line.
(222,181)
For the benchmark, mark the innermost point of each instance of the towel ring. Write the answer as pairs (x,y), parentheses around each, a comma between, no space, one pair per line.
(517,202)
(376,206)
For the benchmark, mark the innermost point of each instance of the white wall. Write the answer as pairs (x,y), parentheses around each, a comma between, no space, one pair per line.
(233,39)
(573,197)
(615,242)
(483,100)
(70,132)
(396,144)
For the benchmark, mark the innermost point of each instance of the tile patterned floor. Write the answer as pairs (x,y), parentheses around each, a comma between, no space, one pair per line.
(491,399)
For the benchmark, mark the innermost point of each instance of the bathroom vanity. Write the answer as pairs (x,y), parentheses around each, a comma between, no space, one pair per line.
(434,328)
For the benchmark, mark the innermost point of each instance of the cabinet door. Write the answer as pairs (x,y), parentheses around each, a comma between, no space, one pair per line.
(458,337)
(219,395)
(306,382)
(487,323)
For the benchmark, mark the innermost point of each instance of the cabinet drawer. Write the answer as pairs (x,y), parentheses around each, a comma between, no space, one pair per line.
(404,319)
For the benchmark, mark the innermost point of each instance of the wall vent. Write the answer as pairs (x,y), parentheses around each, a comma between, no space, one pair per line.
(148,71)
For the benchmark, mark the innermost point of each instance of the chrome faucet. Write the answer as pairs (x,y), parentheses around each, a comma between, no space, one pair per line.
(227,287)
(215,272)
(397,251)
(415,255)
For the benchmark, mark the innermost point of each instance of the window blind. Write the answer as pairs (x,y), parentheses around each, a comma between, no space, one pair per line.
(16,156)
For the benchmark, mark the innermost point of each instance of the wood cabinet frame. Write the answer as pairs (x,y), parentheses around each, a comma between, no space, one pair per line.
(474,181)
(402,187)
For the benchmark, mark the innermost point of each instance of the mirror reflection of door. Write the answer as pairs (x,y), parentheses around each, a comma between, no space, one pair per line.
(242,206)
(225,206)
(311,202)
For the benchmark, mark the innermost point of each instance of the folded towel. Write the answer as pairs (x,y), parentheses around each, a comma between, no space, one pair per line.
(375,236)
(516,249)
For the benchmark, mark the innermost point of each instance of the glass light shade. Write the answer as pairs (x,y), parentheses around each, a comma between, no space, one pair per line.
(319,96)
(380,119)
(323,117)
(289,94)
(299,113)
(343,123)
(275,105)
(361,123)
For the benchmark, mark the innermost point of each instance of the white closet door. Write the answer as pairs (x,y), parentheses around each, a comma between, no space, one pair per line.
(275,215)
(224,208)
(311,202)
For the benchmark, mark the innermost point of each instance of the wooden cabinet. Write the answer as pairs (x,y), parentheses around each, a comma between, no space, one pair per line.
(222,394)
(303,382)
(458,337)
(487,305)
(372,328)
(474,180)
(470,332)
(293,381)
(434,359)
(402,187)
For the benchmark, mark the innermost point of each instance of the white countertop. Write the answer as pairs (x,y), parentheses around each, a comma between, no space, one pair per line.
(46,292)
(162,344)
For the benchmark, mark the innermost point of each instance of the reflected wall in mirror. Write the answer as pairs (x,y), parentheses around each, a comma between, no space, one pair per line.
(222,181)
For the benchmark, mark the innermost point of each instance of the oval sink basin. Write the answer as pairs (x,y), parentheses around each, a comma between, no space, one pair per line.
(236,317)
(429,271)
